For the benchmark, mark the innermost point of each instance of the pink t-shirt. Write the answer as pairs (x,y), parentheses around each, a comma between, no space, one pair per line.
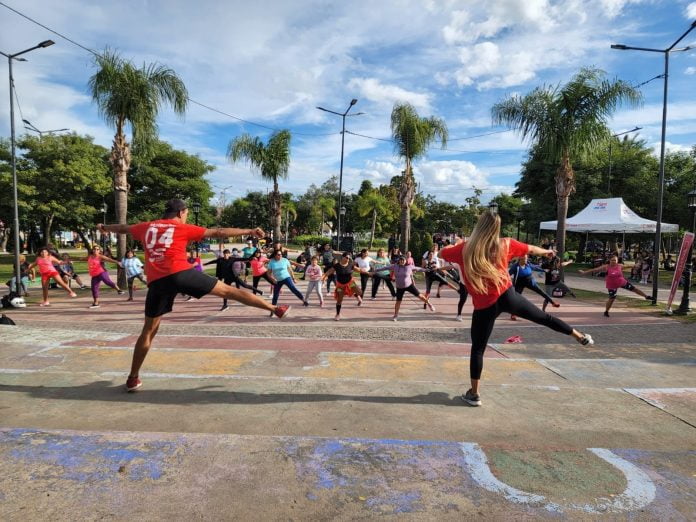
(258,266)
(45,265)
(615,278)
(94,266)
(314,272)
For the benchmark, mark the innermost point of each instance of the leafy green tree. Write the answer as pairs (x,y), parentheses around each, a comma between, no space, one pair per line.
(130,96)
(69,175)
(412,135)
(272,160)
(251,211)
(169,173)
(566,122)
(326,208)
(374,203)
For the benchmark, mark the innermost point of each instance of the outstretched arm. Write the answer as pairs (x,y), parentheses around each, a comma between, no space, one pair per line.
(536,251)
(593,270)
(224,233)
(116,228)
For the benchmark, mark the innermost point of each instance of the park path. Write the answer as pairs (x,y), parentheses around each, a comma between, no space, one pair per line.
(242,417)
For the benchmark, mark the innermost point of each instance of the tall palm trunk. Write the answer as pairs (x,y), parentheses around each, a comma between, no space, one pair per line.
(565,186)
(407,193)
(275,211)
(374,224)
(120,163)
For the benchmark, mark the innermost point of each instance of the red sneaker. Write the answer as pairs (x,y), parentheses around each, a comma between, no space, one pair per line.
(282,311)
(133,383)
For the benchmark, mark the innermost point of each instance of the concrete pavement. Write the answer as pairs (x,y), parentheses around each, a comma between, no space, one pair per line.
(242,417)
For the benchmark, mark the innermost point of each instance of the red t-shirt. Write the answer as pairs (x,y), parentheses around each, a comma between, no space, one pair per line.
(165,242)
(455,254)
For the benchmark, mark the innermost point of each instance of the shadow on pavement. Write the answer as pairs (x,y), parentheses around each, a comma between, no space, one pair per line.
(106,391)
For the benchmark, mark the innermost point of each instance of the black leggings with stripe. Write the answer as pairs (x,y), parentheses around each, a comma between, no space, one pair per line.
(482,322)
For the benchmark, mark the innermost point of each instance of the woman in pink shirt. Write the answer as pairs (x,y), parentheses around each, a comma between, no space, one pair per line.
(613,281)
(99,274)
(45,261)
(259,270)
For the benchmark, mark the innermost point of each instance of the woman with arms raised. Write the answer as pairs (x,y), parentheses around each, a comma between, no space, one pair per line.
(483,260)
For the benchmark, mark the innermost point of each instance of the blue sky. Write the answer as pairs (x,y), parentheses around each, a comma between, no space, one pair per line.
(273,62)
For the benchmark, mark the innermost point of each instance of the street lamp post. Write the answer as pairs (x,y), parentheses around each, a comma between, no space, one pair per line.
(196,211)
(611,141)
(10,57)
(29,126)
(685,305)
(661,181)
(340,175)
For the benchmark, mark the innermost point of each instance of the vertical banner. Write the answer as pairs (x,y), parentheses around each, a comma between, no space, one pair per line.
(679,269)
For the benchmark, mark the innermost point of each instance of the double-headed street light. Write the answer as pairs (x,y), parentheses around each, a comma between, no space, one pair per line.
(610,143)
(10,58)
(340,175)
(29,126)
(661,181)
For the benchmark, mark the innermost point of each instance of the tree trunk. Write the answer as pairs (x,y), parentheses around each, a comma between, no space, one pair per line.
(565,186)
(275,211)
(4,237)
(407,193)
(48,225)
(120,163)
(84,240)
(374,224)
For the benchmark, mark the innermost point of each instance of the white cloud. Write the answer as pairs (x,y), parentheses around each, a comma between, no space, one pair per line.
(691,11)
(374,90)
(670,147)
(690,70)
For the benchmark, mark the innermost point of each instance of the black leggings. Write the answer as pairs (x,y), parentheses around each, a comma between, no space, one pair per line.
(364,278)
(411,289)
(256,279)
(432,277)
(377,279)
(228,280)
(329,279)
(482,322)
(527,282)
(463,294)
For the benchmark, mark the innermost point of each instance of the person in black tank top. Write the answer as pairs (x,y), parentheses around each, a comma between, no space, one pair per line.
(345,284)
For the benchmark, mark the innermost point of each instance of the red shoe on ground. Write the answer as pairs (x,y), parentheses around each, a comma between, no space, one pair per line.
(282,311)
(133,383)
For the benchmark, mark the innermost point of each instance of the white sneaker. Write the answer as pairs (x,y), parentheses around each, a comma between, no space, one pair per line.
(395,318)
(432,308)
(459,318)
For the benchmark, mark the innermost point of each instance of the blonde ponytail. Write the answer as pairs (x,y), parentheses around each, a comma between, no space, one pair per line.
(484,254)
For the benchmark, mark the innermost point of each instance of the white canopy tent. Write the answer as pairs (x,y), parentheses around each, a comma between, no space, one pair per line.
(606,216)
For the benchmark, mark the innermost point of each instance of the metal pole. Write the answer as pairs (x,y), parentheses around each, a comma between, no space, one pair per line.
(340,184)
(609,176)
(660,188)
(14,181)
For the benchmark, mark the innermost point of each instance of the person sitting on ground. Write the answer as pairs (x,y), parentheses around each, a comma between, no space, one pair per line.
(68,272)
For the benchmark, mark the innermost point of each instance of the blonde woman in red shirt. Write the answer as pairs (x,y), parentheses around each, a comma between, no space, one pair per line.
(483,260)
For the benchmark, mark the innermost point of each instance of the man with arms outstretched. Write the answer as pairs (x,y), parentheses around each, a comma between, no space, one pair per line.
(169,273)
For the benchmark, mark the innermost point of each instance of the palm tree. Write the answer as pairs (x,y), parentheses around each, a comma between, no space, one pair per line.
(412,137)
(374,203)
(130,96)
(290,215)
(567,122)
(327,207)
(272,160)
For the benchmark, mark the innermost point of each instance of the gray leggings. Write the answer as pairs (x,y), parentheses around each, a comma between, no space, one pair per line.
(316,286)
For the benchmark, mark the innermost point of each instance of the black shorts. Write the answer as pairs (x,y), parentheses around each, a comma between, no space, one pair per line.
(613,292)
(161,293)
(400,292)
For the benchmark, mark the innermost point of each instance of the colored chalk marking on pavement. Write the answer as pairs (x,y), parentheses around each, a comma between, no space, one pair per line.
(639,492)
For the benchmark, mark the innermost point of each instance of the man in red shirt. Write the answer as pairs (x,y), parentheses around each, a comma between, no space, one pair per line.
(169,273)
